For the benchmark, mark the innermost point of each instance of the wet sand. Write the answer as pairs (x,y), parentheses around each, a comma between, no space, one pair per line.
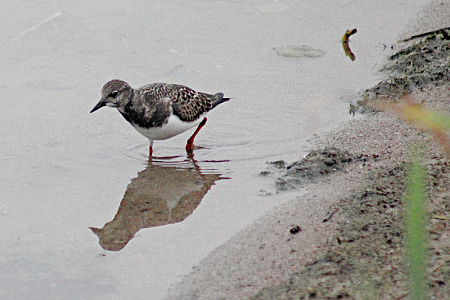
(350,242)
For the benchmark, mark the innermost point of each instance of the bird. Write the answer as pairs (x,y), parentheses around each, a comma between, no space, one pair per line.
(160,111)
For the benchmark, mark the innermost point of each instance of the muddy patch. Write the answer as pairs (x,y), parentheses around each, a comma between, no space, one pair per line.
(312,168)
(414,67)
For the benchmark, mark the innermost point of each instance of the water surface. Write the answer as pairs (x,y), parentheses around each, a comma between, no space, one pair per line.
(65,170)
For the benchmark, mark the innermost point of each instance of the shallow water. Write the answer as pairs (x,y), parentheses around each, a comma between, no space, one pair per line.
(65,170)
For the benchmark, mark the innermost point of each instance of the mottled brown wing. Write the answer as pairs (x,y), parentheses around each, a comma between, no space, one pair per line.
(188,104)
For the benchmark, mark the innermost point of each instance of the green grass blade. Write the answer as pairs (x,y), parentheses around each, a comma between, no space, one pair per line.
(416,230)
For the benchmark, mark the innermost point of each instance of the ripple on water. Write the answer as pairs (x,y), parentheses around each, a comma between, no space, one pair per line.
(173,157)
(136,152)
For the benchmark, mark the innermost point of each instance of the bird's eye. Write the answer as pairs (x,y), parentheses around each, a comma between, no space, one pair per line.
(114,94)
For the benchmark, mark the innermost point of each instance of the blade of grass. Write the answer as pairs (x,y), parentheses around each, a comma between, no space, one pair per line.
(415,227)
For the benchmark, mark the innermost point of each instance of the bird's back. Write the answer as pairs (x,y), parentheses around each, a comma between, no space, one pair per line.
(187,104)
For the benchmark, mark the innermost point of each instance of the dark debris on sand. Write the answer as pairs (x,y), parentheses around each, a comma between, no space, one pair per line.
(313,167)
(415,67)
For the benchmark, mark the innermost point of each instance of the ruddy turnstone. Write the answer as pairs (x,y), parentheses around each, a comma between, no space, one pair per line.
(160,111)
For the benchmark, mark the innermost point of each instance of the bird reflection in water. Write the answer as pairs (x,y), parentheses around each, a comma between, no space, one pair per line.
(161,194)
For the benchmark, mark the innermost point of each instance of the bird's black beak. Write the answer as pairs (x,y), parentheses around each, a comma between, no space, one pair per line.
(100,104)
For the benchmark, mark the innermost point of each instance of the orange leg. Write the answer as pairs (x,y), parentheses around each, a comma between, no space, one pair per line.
(150,148)
(190,142)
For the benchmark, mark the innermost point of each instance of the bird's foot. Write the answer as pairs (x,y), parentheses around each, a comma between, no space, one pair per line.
(150,152)
(190,143)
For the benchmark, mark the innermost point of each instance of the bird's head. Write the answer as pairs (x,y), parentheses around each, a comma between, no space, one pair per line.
(115,93)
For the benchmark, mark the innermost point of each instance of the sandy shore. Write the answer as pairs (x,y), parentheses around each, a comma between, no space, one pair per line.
(358,251)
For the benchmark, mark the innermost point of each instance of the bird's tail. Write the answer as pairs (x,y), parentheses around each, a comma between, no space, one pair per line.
(219,99)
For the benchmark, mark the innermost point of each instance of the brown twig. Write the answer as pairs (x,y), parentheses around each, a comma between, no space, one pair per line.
(345,45)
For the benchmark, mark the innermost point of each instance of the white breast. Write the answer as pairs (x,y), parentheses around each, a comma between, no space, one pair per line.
(173,127)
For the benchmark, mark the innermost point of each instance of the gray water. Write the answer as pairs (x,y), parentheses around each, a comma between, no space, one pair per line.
(64,170)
